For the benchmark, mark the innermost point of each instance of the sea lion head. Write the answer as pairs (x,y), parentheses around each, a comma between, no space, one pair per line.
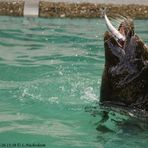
(126,28)
(118,50)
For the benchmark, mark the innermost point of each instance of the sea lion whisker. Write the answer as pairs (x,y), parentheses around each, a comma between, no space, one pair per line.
(116,25)
(108,40)
(116,22)
(121,16)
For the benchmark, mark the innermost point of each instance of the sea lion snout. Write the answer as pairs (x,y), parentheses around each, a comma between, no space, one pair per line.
(123,34)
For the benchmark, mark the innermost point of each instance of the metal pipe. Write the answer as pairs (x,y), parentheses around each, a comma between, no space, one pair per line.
(31,8)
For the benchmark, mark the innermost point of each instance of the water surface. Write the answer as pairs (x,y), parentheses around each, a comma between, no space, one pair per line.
(50,76)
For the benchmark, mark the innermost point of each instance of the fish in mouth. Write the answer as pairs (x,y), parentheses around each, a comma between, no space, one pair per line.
(125,77)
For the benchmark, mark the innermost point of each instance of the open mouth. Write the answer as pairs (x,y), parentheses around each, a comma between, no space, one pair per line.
(120,34)
(123,33)
(122,30)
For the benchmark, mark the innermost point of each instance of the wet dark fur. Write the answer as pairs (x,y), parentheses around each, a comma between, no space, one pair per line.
(125,76)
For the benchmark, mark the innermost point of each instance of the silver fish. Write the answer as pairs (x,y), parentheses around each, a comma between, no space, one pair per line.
(113,30)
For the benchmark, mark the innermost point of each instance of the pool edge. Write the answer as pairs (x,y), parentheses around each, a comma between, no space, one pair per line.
(72,10)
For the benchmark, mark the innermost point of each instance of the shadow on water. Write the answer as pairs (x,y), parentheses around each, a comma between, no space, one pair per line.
(115,129)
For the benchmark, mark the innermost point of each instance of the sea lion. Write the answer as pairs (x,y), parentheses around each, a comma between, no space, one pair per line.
(125,77)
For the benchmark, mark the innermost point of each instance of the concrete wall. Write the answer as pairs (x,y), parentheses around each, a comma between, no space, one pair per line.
(141,2)
(46,8)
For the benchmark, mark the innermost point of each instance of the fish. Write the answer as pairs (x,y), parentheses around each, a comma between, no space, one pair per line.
(113,30)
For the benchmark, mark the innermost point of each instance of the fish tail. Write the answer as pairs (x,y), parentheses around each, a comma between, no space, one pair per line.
(103,11)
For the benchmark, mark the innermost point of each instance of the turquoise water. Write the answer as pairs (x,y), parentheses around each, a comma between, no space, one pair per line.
(50,76)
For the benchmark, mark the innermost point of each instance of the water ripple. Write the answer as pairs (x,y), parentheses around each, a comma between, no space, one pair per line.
(50,70)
